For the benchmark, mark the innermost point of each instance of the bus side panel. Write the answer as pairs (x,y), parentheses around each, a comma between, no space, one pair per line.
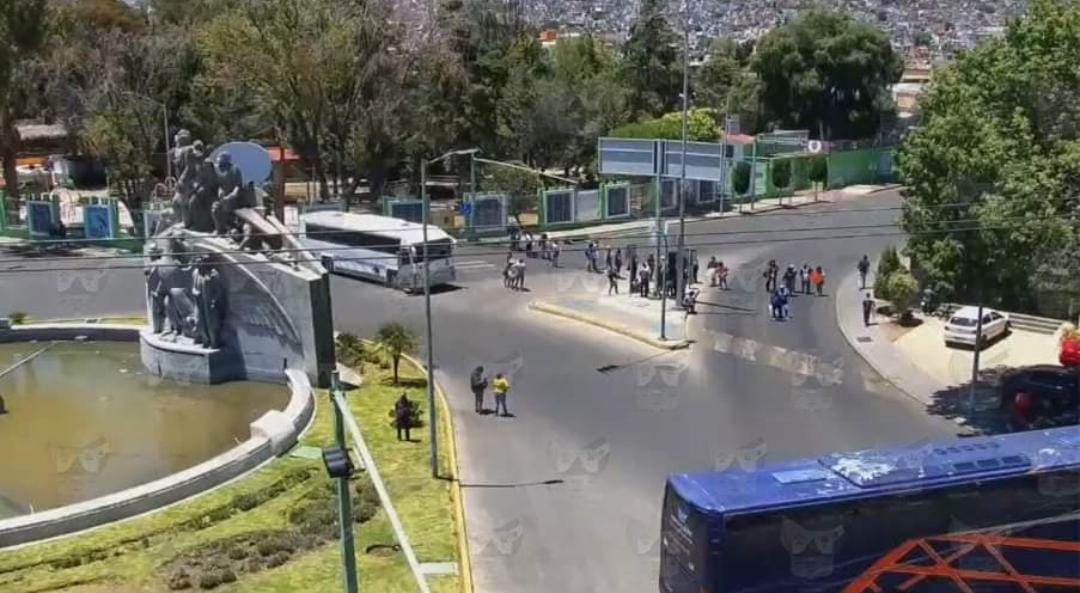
(826,547)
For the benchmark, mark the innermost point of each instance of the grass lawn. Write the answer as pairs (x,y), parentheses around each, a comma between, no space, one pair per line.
(141,555)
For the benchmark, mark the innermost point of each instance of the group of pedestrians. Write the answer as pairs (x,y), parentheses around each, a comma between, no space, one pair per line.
(500,387)
(718,273)
(514,273)
(781,287)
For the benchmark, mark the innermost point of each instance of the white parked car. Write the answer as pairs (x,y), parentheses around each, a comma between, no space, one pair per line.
(962,326)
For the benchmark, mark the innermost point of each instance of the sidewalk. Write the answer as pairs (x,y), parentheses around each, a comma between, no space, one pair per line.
(631,316)
(877,349)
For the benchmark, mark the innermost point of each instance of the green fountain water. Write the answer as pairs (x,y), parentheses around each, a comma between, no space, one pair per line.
(86,419)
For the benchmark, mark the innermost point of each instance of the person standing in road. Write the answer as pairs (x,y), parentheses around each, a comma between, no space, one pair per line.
(478,382)
(789,278)
(643,280)
(722,272)
(618,262)
(500,386)
(612,279)
(864,269)
(710,271)
(818,279)
(633,269)
(403,416)
(867,309)
(608,261)
(772,272)
(804,278)
(555,248)
(519,278)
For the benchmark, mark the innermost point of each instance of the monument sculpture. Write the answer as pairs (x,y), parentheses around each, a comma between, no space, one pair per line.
(224,300)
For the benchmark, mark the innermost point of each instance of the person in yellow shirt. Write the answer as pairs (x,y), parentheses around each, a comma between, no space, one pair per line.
(500,386)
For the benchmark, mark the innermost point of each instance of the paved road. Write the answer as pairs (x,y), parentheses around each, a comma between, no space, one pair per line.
(565,497)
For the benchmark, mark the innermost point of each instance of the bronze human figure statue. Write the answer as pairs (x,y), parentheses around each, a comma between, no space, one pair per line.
(232,195)
(201,207)
(209,294)
(185,159)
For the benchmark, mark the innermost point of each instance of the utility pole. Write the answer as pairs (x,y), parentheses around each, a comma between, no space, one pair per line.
(345,520)
(753,173)
(168,157)
(680,262)
(975,359)
(661,266)
(427,315)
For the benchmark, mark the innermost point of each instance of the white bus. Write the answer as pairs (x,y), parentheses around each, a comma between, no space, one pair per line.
(378,248)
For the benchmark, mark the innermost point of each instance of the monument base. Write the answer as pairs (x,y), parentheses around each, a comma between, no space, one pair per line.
(184,361)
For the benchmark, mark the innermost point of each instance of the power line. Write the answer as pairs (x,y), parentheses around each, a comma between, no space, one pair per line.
(898,233)
(772,213)
(381,246)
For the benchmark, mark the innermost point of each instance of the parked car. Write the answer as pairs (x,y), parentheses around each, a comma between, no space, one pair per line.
(1041,396)
(962,325)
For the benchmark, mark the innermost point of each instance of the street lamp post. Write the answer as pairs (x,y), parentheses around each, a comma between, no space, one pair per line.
(432,432)
(339,466)
(680,265)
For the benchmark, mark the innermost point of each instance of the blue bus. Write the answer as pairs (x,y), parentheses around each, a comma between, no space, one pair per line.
(995,513)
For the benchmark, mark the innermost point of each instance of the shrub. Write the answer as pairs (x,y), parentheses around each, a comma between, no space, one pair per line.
(237,553)
(17,317)
(179,579)
(740,178)
(210,580)
(246,501)
(902,289)
(781,174)
(277,559)
(228,576)
(819,170)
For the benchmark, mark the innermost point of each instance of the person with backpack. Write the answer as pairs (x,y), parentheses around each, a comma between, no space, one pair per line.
(772,272)
(612,278)
(478,382)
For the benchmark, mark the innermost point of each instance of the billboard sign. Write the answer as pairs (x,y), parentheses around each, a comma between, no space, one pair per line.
(703,159)
(97,221)
(628,156)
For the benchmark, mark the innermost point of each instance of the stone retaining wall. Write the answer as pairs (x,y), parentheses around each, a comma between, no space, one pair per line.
(271,434)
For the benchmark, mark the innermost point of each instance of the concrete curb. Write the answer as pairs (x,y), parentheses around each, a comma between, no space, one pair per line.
(897,370)
(618,328)
(456,498)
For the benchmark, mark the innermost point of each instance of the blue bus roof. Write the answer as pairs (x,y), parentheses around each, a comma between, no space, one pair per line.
(875,471)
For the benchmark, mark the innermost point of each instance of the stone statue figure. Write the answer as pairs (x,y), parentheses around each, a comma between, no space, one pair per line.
(182,314)
(185,159)
(155,289)
(232,195)
(209,292)
(201,207)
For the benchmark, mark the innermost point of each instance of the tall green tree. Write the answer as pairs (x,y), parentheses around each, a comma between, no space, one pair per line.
(651,63)
(828,73)
(726,84)
(992,167)
(23,32)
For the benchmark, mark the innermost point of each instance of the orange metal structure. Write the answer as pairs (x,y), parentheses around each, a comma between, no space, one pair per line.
(923,561)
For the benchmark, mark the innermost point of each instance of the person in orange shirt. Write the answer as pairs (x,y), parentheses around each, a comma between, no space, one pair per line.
(817,278)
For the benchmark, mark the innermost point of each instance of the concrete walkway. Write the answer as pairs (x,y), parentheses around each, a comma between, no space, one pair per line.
(631,316)
(875,347)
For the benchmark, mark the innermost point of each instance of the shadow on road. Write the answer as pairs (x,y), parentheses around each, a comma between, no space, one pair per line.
(981,413)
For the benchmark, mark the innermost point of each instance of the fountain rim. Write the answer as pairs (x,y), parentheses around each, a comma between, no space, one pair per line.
(272,434)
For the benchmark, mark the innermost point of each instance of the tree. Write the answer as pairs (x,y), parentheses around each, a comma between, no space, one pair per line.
(23,32)
(991,169)
(726,84)
(395,340)
(740,178)
(828,73)
(700,127)
(521,187)
(349,349)
(781,174)
(888,263)
(650,67)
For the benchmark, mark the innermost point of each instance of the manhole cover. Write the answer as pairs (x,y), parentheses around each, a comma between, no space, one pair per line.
(864,339)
